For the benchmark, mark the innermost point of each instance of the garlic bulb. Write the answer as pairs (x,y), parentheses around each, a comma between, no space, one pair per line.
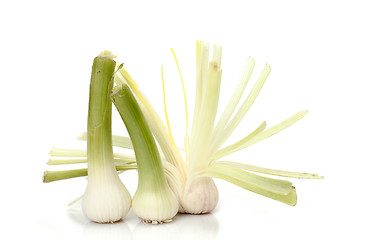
(155,205)
(200,197)
(106,199)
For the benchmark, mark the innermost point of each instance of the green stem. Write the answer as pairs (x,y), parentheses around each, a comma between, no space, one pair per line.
(118,141)
(64,161)
(266,187)
(99,138)
(51,176)
(148,160)
(275,172)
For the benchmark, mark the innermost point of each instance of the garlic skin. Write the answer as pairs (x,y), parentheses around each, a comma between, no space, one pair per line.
(200,197)
(106,199)
(156,206)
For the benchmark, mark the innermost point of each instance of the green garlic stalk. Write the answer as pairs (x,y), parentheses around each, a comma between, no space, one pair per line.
(106,199)
(153,201)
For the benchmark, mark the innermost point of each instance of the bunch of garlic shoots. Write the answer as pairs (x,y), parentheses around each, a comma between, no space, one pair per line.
(189,175)
(106,199)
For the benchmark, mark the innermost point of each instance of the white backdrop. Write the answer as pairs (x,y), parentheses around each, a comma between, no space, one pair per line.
(317,50)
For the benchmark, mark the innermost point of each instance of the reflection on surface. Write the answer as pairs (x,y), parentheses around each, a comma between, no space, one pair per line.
(197,226)
(75,214)
(119,230)
(94,231)
(184,226)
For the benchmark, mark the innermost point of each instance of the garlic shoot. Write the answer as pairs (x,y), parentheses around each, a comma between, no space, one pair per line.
(73,156)
(203,148)
(51,176)
(153,200)
(105,199)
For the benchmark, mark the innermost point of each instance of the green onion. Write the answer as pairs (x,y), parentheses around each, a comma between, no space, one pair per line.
(153,201)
